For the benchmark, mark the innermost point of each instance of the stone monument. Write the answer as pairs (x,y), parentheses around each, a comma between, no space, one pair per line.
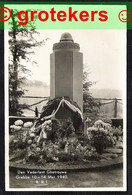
(66,72)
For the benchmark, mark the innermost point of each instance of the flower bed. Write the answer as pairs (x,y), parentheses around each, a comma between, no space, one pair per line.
(55,141)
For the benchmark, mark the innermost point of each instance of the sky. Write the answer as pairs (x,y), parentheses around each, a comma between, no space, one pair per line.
(104,55)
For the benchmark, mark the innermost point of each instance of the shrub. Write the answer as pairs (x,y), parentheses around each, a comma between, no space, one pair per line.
(61,130)
(65,157)
(117,131)
(100,137)
(93,156)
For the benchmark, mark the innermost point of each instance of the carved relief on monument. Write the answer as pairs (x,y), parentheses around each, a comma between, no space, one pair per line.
(66,45)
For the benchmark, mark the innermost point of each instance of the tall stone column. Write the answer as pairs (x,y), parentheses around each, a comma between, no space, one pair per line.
(66,70)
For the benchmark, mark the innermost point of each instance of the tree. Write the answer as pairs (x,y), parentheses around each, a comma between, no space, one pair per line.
(90,105)
(21,44)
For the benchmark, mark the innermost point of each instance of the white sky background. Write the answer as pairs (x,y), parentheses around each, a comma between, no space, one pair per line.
(104,53)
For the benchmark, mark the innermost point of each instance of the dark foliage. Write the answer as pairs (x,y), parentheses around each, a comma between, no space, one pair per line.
(90,105)
(21,44)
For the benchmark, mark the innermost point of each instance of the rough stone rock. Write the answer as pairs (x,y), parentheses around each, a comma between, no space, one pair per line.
(114,156)
(19,161)
(113,150)
(102,160)
(109,155)
(119,145)
(108,158)
(11,138)
(105,155)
